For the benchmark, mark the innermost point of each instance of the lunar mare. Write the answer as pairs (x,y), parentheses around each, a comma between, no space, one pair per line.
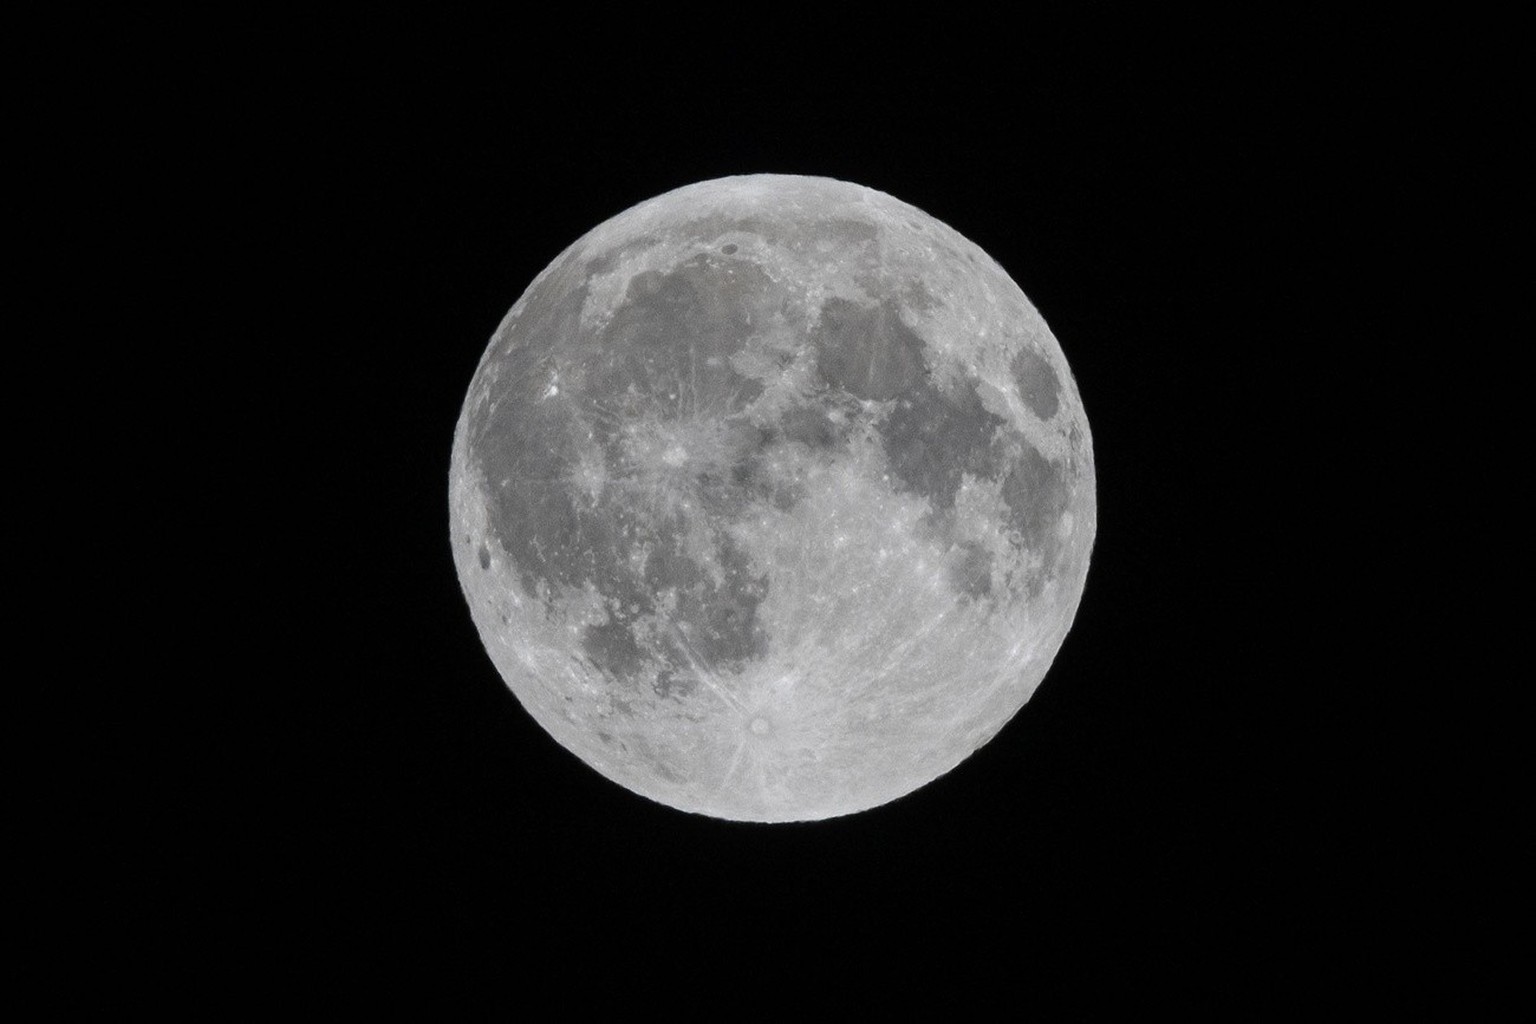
(772,498)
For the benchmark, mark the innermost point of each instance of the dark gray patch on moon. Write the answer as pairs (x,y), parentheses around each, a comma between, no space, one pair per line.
(662,359)
(1037,492)
(751,478)
(672,339)
(719,620)
(520,441)
(917,296)
(1037,382)
(822,425)
(867,351)
(669,684)
(814,427)
(712,624)
(612,645)
(932,439)
(534,523)
(519,449)
(970,571)
(729,485)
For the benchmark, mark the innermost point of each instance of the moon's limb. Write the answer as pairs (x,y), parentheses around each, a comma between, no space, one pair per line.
(773,498)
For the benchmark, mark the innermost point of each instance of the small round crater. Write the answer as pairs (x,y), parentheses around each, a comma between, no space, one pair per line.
(760,726)
(485,557)
(729,250)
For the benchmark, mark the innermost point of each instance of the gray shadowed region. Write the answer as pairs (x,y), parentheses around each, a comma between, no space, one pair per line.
(869,352)
(971,570)
(670,342)
(660,362)
(1036,491)
(1037,382)
(933,439)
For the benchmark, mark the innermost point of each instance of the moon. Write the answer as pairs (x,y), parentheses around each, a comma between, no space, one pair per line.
(772,498)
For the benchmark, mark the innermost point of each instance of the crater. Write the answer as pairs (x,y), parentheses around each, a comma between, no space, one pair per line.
(1037,382)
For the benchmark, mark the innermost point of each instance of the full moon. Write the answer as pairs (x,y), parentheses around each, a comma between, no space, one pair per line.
(772,498)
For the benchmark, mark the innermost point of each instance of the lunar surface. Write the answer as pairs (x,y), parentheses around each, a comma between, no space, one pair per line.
(772,498)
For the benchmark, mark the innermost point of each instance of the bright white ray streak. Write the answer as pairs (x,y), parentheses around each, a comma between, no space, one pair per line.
(735,762)
(701,670)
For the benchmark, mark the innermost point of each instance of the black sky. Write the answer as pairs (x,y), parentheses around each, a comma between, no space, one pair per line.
(1181,217)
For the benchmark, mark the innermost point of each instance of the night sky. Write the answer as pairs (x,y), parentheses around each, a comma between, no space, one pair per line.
(1179,218)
